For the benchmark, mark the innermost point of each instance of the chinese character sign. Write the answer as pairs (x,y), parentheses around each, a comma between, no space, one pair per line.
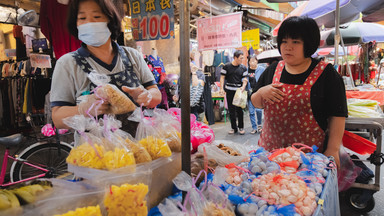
(251,38)
(40,60)
(219,32)
(152,19)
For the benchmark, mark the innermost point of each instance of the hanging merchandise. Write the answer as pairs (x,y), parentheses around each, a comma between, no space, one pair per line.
(52,22)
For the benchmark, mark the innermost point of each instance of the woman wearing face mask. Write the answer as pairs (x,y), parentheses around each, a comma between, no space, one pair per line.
(97,24)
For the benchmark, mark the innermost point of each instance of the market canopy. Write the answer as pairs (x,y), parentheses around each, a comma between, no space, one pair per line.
(330,51)
(354,33)
(268,55)
(323,11)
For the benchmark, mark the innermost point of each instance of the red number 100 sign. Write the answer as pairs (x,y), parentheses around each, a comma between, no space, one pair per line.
(155,25)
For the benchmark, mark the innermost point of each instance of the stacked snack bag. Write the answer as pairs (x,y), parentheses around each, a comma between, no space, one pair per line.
(100,148)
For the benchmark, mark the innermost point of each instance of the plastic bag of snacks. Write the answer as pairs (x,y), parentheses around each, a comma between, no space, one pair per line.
(210,200)
(168,129)
(120,103)
(147,136)
(224,152)
(288,158)
(99,148)
(80,203)
(259,163)
(141,154)
(127,194)
(88,150)
(285,189)
(118,154)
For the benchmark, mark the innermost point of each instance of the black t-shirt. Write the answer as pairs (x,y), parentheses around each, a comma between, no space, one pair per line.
(327,94)
(234,75)
(251,77)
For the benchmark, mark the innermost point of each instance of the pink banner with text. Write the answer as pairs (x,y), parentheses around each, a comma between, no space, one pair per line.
(219,32)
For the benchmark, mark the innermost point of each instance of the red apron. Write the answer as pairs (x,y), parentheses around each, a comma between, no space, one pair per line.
(291,120)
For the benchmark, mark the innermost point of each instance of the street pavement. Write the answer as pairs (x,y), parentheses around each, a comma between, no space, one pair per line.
(221,133)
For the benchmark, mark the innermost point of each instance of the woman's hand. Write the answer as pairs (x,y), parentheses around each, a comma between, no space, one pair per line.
(271,93)
(141,95)
(93,106)
(334,154)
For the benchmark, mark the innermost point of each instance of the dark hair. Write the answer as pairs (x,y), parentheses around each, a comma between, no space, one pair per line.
(252,56)
(107,7)
(237,53)
(303,28)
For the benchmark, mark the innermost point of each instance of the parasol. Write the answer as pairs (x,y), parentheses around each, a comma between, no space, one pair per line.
(354,33)
(269,55)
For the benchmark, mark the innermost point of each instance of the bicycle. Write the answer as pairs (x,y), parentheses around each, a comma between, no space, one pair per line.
(45,158)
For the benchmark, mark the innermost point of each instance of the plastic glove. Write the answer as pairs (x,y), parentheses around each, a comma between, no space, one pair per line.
(139,94)
(93,106)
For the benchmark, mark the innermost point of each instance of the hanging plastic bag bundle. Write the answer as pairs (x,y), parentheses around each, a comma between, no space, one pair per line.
(147,136)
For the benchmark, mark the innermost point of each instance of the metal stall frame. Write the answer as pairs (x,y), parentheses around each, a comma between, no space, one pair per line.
(375,129)
(185,89)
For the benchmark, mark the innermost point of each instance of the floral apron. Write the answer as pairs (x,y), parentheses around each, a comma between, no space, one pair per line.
(291,120)
(124,78)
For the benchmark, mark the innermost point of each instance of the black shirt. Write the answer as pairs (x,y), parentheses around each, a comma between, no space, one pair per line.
(251,77)
(327,94)
(234,75)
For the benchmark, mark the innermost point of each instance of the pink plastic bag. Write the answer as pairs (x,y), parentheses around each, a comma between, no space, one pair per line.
(348,171)
(200,132)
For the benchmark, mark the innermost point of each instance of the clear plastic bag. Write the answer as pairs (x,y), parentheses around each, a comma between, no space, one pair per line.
(88,151)
(140,153)
(118,100)
(240,98)
(222,157)
(100,148)
(168,129)
(147,136)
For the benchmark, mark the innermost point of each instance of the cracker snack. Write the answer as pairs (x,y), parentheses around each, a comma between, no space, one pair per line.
(120,103)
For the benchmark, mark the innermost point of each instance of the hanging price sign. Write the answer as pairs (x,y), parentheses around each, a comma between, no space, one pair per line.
(152,19)
(219,32)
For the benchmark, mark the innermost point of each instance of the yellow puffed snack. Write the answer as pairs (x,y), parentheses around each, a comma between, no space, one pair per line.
(156,147)
(141,154)
(85,155)
(173,139)
(212,209)
(127,200)
(118,158)
(86,211)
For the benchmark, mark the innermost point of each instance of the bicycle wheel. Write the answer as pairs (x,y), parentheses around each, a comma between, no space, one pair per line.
(44,154)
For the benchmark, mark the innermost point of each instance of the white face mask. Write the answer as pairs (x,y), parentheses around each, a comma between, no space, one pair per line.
(94,33)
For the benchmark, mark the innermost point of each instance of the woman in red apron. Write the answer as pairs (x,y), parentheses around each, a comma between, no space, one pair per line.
(303,98)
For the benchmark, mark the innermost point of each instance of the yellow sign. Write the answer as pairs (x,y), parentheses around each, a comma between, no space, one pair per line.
(251,38)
